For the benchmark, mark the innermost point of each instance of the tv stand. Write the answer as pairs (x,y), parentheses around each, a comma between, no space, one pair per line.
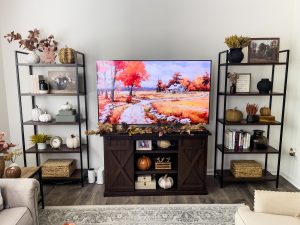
(188,156)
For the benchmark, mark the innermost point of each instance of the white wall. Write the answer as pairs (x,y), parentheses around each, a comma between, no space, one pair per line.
(128,29)
(4,126)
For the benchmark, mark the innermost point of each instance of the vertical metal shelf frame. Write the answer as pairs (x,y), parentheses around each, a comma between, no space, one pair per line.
(220,172)
(77,66)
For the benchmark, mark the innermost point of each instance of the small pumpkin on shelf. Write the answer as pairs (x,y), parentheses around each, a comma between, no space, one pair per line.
(73,141)
(35,113)
(45,117)
(67,55)
(265,111)
(166,182)
(66,106)
(144,163)
(233,115)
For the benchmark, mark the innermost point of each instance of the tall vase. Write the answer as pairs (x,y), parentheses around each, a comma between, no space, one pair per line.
(2,166)
(235,55)
(32,57)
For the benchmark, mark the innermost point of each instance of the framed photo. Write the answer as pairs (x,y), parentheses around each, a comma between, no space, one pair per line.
(263,50)
(243,83)
(143,145)
(62,81)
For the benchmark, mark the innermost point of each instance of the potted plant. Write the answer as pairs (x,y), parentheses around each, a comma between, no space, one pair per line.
(40,140)
(32,43)
(251,110)
(236,44)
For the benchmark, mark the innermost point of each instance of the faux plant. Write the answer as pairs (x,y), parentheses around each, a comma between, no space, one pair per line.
(235,41)
(105,128)
(12,156)
(32,42)
(39,138)
(4,146)
(251,109)
(233,77)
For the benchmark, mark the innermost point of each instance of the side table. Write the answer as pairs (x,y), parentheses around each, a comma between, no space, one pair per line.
(32,172)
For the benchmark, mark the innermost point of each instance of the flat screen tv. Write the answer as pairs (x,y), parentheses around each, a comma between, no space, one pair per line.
(153,92)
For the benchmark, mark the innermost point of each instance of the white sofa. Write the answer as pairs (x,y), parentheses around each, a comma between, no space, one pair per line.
(20,197)
(271,208)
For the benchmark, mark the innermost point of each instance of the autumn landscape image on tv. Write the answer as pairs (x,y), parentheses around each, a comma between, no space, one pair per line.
(152,92)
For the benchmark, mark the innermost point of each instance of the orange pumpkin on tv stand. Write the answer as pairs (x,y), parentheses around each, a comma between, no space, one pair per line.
(143,163)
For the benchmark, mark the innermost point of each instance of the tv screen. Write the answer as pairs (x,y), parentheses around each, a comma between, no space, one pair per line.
(153,92)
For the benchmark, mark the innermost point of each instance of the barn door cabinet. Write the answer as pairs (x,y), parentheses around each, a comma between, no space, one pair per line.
(188,155)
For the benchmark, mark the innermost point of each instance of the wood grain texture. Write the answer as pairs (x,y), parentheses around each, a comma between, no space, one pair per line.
(92,194)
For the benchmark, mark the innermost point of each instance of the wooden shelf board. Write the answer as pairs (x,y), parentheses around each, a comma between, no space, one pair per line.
(53,122)
(63,149)
(252,94)
(50,65)
(52,94)
(253,64)
(140,172)
(244,122)
(156,192)
(228,177)
(269,150)
(156,152)
(76,176)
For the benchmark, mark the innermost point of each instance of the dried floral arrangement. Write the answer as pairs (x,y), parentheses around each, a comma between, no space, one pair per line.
(32,42)
(251,109)
(235,41)
(8,155)
(233,77)
(106,128)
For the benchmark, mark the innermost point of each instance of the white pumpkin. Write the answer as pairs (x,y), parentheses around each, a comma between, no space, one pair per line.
(166,182)
(35,113)
(164,143)
(73,141)
(45,117)
(66,106)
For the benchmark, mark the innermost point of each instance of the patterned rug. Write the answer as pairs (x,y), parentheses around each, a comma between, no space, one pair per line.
(183,214)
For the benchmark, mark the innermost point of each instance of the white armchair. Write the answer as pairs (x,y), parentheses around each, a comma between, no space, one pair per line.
(20,198)
(271,208)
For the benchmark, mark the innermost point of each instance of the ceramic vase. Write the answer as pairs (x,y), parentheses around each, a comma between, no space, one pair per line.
(91,176)
(2,166)
(264,86)
(258,141)
(41,146)
(235,55)
(33,58)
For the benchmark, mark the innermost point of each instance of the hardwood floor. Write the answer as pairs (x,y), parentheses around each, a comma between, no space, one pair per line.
(92,194)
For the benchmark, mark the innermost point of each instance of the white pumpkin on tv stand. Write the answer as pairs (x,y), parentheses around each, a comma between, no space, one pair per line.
(73,141)
(166,182)
(45,117)
(35,113)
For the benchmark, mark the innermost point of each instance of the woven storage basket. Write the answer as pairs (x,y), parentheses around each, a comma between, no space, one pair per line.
(66,55)
(58,167)
(245,168)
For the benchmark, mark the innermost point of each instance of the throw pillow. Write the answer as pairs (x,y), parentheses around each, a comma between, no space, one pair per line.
(276,202)
(1,201)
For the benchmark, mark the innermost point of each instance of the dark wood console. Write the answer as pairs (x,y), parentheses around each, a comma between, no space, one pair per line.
(188,155)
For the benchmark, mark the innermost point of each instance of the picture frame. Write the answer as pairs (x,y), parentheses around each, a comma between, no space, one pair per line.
(62,81)
(144,145)
(243,83)
(263,50)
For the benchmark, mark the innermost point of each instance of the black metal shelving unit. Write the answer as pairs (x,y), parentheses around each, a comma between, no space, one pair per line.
(81,173)
(225,175)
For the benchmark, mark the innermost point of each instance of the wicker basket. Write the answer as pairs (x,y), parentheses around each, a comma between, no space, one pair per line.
(245,168)
(66,55)
(58,168)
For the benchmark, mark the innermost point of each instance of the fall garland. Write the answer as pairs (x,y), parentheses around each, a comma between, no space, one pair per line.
(106,128)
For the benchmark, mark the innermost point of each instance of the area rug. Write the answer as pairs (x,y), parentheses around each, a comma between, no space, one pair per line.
(175,214)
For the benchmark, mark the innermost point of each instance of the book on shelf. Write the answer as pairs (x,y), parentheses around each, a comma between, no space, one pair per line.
(237,139)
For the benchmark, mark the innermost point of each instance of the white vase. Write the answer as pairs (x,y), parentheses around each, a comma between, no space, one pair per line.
(100,175)
(32,57)
(41,146)
(91,176)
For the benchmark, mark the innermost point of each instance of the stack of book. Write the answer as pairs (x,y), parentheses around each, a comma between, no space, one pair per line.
(237,139)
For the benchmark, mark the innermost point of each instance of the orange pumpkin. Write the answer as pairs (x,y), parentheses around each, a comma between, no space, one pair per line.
(144,163)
